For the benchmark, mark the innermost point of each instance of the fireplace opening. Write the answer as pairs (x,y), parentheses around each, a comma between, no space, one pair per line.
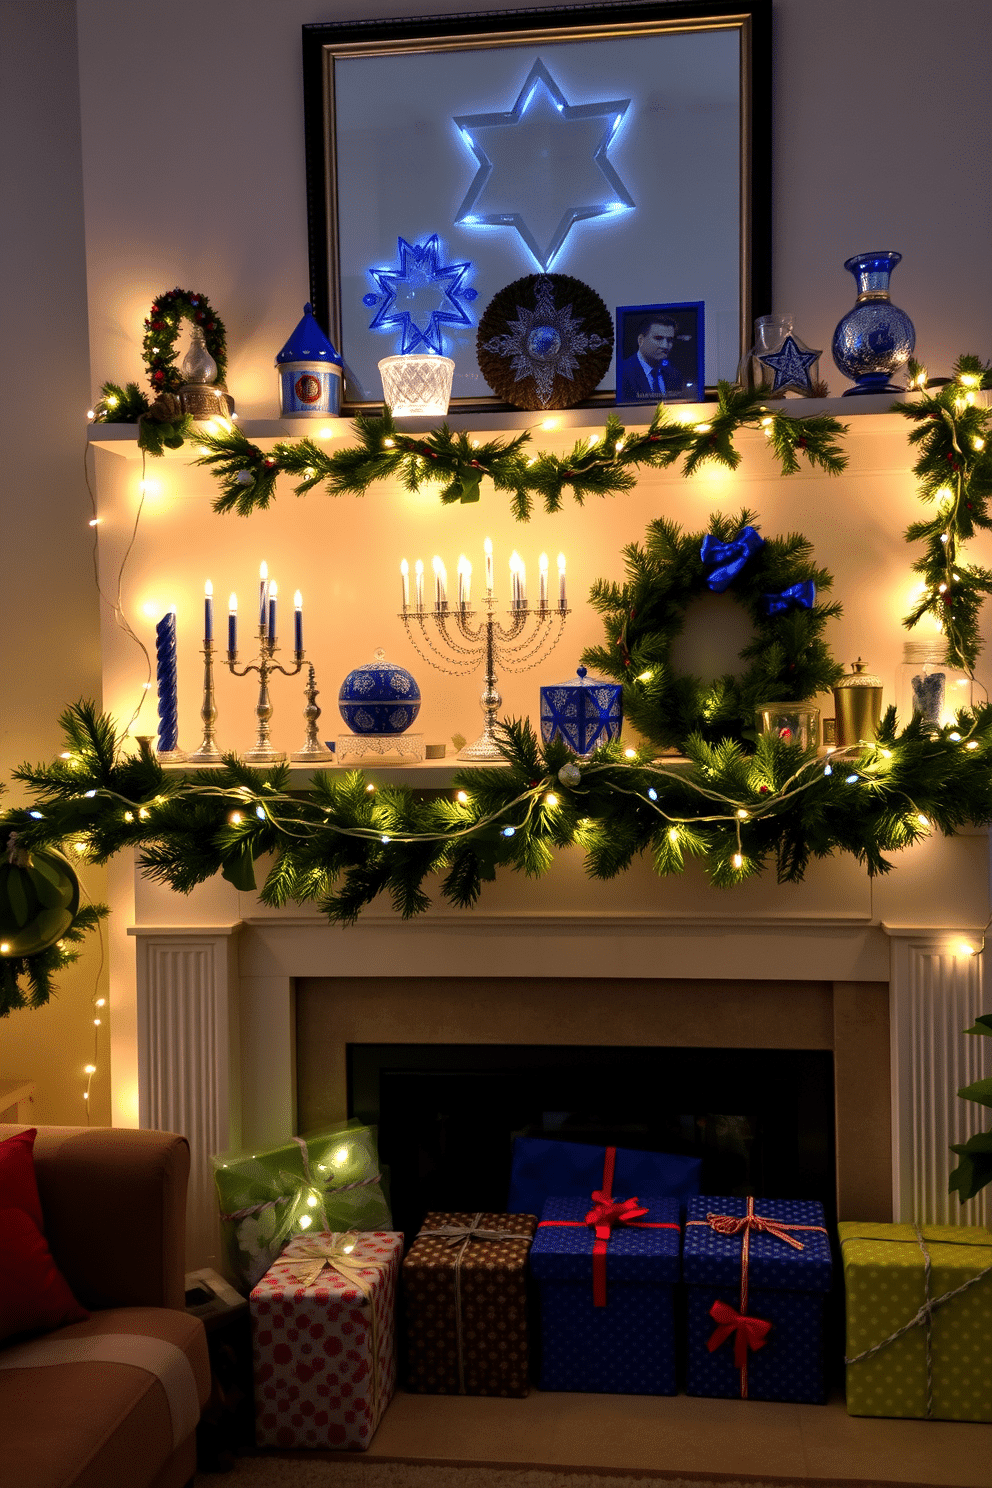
(760,1120)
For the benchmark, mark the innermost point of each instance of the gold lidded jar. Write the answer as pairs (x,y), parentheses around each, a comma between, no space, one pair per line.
(857,706)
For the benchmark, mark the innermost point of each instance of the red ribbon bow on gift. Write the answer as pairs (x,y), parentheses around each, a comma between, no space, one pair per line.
(751,1332)
(607,1213)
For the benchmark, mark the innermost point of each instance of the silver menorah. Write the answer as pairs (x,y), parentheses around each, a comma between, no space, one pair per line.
(469,637)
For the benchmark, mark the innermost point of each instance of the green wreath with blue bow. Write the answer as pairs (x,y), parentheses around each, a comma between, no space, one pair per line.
(776,581)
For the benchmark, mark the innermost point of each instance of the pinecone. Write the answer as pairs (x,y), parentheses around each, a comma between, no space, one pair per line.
(166,409)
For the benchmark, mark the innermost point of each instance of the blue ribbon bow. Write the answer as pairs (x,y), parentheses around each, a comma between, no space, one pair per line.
(727,559)
(801,595)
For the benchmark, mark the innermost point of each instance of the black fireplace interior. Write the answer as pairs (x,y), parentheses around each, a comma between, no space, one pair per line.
(761,1120)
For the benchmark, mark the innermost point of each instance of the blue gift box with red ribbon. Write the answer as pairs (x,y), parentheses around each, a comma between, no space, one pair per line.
(544,1167)
(606,1270)
(757,1273)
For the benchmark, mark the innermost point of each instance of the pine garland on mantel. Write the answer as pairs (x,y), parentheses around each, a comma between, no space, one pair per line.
(598,465)
(346,841)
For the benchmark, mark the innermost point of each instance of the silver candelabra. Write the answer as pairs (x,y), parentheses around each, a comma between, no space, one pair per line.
(261,751)
(528,638)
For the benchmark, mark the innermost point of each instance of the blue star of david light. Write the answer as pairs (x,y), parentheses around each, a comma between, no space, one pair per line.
(420,273)
(506,164)
(790,365)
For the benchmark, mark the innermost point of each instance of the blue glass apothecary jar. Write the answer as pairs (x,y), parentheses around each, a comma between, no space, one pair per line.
(379,698)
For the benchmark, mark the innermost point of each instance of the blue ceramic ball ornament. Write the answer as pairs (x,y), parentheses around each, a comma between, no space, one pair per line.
(379,698)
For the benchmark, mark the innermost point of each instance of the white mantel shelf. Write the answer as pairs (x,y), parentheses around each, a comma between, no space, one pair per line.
(122,439)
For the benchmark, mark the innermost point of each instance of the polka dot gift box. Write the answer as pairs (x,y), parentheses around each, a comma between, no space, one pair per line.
(324,1330)
(905,1358)
(465,1305)
(606,1273)
(757,1273)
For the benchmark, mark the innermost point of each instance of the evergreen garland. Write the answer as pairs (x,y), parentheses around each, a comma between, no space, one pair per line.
(345,842)
(787,659)
(597,465)
(954,469)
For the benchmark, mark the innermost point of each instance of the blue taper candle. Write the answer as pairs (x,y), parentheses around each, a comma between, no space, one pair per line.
(168,698)
(272,612)
(232,625)
(298,622)
(208,611)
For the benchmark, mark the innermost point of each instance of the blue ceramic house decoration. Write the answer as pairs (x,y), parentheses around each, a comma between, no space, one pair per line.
(583,714)
(310,372)
(379,698)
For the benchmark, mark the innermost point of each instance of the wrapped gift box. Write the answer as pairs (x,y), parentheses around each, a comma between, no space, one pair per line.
(465,1302)
(543,1169)
(755,1302)
(885,1286)
(330,1179)
(621,1341)
(324,1334)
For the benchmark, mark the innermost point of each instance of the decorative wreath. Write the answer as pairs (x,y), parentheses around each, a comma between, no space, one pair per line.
(162,330)
(545,341)
(777,583)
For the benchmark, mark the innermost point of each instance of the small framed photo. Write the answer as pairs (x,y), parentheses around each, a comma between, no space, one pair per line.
(660,353)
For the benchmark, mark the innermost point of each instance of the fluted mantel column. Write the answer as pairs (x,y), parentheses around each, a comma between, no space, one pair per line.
(936,991)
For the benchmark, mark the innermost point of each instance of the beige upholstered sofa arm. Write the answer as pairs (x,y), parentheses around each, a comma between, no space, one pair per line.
(114,1201)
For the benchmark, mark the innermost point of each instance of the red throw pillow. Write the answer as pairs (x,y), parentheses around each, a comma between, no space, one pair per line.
(34,1295)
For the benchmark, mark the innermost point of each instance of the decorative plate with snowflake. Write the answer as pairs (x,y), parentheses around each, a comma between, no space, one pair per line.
(545,341)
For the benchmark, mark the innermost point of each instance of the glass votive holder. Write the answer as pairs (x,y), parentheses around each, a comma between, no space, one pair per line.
(796,723)
(417,386)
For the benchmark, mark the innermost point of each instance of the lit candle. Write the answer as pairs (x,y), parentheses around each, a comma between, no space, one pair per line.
(405,574)
(419,570)
(488,545)
(263,594)
(543,582)
(468,583)
(208,612)
(440,583)
(272,611)
(561,582)
(232,625)
(298,623)
(165,674)
(461,582)
(522,578)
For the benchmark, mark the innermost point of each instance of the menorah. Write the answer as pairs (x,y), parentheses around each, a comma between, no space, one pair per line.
(470,637)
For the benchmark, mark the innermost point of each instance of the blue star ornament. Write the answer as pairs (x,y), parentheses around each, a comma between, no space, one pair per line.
(420,296)
(791,364)
(543,165)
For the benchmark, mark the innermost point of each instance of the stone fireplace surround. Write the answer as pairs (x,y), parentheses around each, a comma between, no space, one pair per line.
(877,973)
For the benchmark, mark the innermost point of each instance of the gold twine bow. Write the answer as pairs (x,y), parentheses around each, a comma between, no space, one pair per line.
(306,1257)
(461,1235)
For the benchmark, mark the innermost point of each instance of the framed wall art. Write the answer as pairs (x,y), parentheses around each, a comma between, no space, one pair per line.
(659,353)
(626,145)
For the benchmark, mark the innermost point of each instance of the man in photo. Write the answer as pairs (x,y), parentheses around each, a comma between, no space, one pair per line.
(649,374)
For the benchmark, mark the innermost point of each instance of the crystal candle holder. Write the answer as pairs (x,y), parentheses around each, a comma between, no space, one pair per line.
(417,386)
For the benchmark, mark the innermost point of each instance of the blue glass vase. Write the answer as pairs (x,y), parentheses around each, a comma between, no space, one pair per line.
(874,339)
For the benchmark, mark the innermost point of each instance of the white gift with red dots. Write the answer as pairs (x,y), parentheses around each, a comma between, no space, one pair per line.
(315,1379)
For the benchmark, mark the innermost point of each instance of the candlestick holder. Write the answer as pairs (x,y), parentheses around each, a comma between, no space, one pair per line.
(313,750)
(261,751)
(525,641)
(208,753)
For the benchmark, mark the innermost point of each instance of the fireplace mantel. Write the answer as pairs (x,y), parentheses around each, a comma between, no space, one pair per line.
(215,985)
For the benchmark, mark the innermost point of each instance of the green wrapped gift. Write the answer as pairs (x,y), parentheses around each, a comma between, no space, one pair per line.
(329,1180)
(919,1320)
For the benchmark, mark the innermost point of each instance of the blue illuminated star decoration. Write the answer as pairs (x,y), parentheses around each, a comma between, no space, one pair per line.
(420,276)
(568,142)
(791,364)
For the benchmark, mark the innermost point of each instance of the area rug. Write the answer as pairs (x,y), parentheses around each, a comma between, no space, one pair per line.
(298,1472)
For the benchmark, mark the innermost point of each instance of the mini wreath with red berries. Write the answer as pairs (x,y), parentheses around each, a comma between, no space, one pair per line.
(162,325)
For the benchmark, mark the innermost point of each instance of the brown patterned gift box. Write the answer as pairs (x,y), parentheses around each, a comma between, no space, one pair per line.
(465,1296)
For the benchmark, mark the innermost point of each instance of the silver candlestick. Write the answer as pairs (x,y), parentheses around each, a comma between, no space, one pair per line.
(261,751)
(313,749)
(527,639)
(208,753)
